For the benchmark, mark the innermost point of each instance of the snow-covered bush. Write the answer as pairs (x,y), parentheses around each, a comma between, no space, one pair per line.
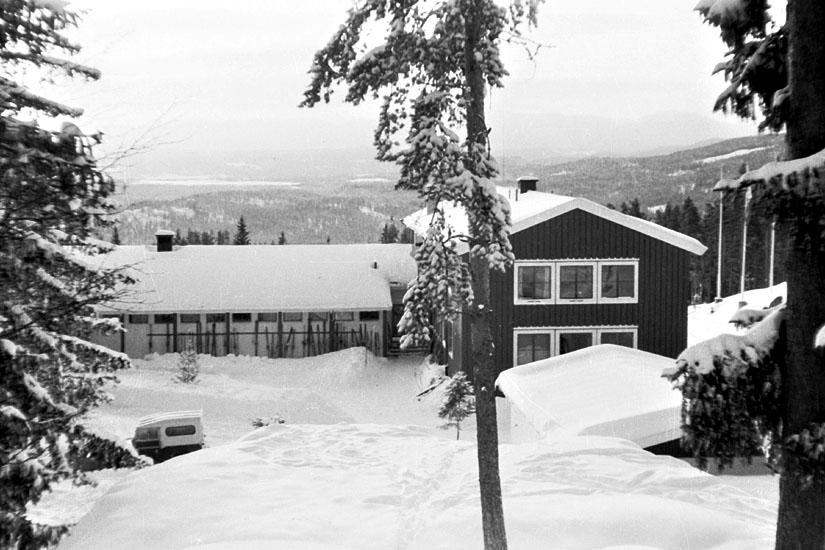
(731,388)
(188,367)
(459,403)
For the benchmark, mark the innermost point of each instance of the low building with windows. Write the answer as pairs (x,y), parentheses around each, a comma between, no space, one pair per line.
(272,301)
(584,275)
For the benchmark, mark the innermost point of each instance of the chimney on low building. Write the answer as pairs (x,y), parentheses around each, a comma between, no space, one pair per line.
(527,183)
(164,240)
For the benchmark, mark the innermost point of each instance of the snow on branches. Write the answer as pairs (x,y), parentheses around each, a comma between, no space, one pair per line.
(429,66)
(53,198)
(731,388)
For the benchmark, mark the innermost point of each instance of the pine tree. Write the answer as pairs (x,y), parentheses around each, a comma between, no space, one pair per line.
(115,236)
(223,236)
(241,234)
(53,198)
(178,239)
(207,237)
(459,403)
(188,367)
(781,71)
(193,237)
(389,233)
(432,70)
(282,238)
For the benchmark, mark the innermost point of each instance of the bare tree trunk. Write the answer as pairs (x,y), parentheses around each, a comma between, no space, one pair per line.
(492,511)
(801,522)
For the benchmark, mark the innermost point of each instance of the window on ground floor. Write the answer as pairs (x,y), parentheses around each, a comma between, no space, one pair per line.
(190,318)
(241,317)
(536,343)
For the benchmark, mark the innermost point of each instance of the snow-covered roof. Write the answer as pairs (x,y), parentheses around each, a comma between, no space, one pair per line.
(534,207)
(601,390)
(263,278)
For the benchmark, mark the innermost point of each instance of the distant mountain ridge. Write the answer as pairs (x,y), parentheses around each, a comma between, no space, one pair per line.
(654,180)
(354,207)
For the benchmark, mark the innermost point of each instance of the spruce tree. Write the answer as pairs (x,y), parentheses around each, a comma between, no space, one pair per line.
(459,403)
(431,63)
(282,238)
(241,233)
(52,198)
(780,71)
(115,236)
(188,367)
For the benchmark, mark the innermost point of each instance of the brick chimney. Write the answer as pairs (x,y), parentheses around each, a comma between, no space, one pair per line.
(164,240)
(527,183)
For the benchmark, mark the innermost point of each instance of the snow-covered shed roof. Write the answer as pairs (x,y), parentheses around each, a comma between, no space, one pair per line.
(603,390)
(534,207)
(263,278)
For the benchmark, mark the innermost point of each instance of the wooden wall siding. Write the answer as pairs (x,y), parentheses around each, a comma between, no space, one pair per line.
(664,291)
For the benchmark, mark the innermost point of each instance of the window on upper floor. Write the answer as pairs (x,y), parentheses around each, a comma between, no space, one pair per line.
(539,282)
(535,282)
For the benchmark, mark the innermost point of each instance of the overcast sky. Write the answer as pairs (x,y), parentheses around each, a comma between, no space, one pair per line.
(226,75)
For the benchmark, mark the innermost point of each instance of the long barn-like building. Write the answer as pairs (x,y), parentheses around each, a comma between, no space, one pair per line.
(274,301)
(584,274)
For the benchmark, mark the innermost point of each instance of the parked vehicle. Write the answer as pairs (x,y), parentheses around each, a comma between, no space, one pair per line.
(166,435)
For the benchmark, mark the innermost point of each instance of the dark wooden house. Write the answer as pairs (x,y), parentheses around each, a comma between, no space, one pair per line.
(584,275)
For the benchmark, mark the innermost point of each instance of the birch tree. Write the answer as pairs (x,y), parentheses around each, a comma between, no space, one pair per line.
(429,63)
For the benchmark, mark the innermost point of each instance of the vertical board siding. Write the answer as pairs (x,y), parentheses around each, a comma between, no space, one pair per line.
(664,293)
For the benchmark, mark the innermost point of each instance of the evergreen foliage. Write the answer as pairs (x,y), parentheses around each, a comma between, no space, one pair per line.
(781,69)
(115,236)
(188,366)
(431,62)
(53,198)
(389,233)
(241,233)
(282,238)
(459,403)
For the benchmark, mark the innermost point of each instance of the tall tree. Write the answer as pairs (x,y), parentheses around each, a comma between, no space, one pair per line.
(389,233)
(52,198)
(241,233)
(431,69)
(780,70)
(282,238)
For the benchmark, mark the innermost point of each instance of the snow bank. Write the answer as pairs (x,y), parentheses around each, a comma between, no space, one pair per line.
(388,487)
(708,320)
(600,390)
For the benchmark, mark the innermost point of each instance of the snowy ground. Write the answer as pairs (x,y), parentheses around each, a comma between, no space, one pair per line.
(360,463)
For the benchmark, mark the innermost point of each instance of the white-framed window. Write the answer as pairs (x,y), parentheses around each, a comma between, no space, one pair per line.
(576,282)
(532,344)
(534,282)
(620,336)
(619,281)
(541,282)
(536,343)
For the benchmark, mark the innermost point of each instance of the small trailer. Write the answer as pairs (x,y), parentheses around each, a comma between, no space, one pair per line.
(166,435)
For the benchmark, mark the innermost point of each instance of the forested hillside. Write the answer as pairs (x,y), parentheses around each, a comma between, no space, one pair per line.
(653,180)
(355,208)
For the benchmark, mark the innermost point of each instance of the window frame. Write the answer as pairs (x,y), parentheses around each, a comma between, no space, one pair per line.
(555,274)
(593,332)
(298,314)
(186,318)
(343,316)
(532,330)
(614,330)
(622,299)
(556,331)
(593,264)
(534,263)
